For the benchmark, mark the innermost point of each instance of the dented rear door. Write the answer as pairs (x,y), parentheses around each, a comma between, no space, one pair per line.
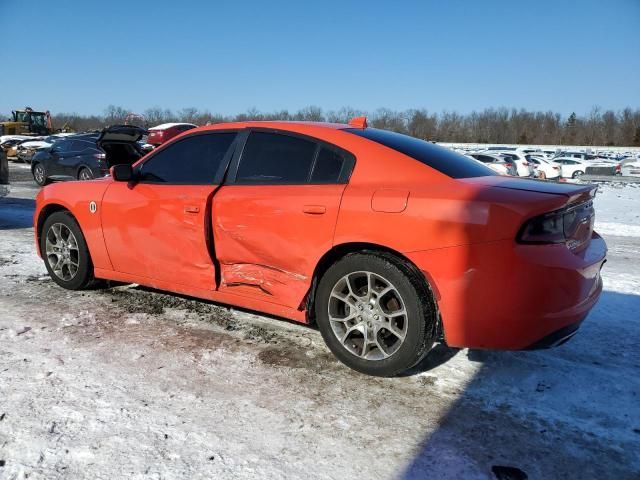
(276,216)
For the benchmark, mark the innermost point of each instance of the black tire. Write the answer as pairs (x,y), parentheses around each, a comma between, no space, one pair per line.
(85,174)
(83,277)
(418,303)
(40,179)
(577,174)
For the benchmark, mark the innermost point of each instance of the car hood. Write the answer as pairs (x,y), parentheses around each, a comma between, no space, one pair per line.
(121,133)
(573,191)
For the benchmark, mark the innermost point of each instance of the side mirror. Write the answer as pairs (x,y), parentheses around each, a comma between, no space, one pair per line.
(122,173)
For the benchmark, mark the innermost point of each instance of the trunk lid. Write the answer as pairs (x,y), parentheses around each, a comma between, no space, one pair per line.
(575,193)
(121,134)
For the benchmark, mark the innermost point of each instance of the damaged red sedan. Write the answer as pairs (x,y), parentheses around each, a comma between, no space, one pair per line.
(386,242)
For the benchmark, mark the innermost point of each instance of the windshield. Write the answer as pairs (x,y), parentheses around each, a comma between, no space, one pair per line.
(439,158)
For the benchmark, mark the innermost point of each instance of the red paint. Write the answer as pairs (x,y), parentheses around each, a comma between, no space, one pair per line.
(491,291)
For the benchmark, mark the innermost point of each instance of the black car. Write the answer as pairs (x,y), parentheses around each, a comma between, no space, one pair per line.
(87,156)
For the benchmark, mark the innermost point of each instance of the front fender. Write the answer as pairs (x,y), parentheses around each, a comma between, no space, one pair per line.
(76,198)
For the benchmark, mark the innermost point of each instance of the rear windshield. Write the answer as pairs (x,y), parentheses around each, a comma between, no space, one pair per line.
(439,158)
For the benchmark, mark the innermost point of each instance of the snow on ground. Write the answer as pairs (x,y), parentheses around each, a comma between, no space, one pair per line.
(618,209)
(127,382)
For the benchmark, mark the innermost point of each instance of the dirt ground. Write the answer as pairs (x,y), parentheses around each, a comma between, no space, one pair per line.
(127,382)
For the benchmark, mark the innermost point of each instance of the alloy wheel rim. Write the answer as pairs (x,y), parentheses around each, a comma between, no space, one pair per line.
(62,251)
(39,173)
(368,315)
(84,175)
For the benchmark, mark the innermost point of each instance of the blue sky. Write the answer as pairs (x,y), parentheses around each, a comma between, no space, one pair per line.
(227,57)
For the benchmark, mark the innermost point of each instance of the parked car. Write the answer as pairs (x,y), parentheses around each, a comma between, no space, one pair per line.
(577,155)
(27,149)
(522,165)
(84,157)
(495,163)
(631,169)
(543,168)
(161,133)
(385,241)
(571,167)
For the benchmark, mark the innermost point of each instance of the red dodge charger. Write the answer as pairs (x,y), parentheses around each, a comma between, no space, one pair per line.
(386,242)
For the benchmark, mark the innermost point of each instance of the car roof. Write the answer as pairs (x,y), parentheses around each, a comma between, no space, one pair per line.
(165,126)
(275,124)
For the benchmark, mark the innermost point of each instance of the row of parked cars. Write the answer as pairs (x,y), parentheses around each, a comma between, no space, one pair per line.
(550,165)
(87,155)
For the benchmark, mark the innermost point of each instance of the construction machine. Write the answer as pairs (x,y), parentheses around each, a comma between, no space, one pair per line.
(27,122)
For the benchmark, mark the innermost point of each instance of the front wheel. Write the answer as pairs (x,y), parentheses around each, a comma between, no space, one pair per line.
(40,174)
(578,174)
(375,313)
(65,252)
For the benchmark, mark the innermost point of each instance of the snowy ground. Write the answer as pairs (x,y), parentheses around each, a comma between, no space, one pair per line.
(132,383)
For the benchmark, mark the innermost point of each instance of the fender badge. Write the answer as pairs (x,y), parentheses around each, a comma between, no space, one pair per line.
(93,207)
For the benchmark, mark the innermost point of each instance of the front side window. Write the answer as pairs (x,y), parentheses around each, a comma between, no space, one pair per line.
(272,158)
(439,158)
(194,160)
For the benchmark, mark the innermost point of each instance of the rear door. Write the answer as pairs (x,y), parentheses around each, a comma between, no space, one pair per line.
(158,228)
(276,216)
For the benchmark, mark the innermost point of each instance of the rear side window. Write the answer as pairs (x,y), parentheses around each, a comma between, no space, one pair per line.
(328,166)
(193,160)
(271,158)
(439,158)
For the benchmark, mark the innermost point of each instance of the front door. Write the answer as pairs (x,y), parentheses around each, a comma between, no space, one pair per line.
(158,227)
(276,216)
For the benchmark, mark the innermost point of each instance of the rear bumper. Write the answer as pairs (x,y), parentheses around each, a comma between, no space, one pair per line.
(506,296)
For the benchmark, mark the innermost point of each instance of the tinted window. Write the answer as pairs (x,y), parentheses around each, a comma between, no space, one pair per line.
(63,145)
(442,159)
(328,167)
(275,158)
(194,160)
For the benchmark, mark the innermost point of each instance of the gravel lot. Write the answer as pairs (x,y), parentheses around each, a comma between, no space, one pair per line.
(132,383)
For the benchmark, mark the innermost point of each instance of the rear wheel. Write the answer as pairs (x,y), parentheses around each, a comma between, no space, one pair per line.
(39,174)
(578,174)
(375,313)
(85,174)
(65,252)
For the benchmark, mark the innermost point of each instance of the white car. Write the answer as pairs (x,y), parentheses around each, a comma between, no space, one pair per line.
(541,165)
(494,162)
(522,165)
(631,169)
(571,167)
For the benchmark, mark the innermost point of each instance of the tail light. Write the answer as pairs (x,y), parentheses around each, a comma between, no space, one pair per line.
(572,226)
(100,156)
(618,168)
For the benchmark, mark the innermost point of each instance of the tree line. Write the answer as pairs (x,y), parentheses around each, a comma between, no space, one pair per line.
(501,125)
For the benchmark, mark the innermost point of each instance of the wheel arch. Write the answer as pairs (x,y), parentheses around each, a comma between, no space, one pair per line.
(45,212)
(79,169)
(340,251)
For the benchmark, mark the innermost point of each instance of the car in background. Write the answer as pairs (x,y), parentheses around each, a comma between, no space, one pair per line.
(543,168)
(631,169)
(523,168)
(161,133)
(27,149)
(571,167)
(495,163)
(87,156)
(577,155)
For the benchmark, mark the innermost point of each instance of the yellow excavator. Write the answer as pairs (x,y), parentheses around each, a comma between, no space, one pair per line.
(27,122)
